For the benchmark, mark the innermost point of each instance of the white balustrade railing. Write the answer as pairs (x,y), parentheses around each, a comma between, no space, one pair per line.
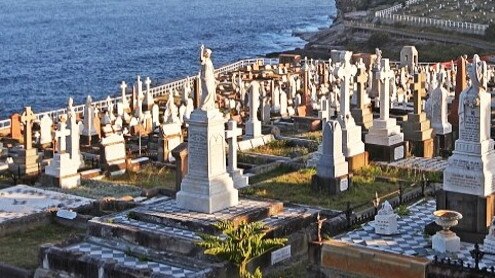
(160,90)
(464,27)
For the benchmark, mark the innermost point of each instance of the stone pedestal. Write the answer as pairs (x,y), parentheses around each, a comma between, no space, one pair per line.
(62,172)
(180,155)
(363,118)
(477,213)
(112,154)
(358,161)
(386,224)
(418,132)
(443,145)
(446,241)
(240,180)
(207,187)
(253,129)
(387,153)
(171,137)
(25,162)
(422,148)
(330,185)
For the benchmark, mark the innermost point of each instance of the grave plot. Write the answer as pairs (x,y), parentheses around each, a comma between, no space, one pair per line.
(160,237)
(411,239)
(22,201)
(291,186)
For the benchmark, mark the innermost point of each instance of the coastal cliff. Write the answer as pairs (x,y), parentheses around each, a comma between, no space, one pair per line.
(346,34)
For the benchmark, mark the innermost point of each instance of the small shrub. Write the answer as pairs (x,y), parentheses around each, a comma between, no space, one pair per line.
(377,40)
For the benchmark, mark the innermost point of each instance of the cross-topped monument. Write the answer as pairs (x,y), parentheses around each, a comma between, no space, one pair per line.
(362,113)
(61,134)
(27,119)
(352,145)
(345,73)
(385,74)
(384,141)
(419,91)
(417,128)
(231,135)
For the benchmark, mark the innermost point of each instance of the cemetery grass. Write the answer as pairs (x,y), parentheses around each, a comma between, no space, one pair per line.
(97,189)
(146,178)
(21,249)
(295,187)
(283,148)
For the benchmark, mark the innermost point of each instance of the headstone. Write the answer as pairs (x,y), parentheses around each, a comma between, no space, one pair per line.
(384,140)
(332,173)
(89,134)
(253,125)
(26,160)
(15,127)
(386,220)
(112,154)
(46,124)
(207,186)
(417,128)
(62,171)
(460,86)
(352,145)
(438,113)
(149,100)
(283,104)
(171,137)
(362,113)
(124,101)
(468,181)
(138,108)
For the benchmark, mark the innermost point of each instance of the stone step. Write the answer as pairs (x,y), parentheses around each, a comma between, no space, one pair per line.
(95,257)
(151,235)
(167,213)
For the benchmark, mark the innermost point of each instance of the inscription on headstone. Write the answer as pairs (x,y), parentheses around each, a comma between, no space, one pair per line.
(344,184)
(281,254)
(398,153)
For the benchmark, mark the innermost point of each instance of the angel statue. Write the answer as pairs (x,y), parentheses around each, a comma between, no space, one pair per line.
(208,82)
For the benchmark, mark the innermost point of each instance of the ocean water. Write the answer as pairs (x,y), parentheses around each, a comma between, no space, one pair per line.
(50,50)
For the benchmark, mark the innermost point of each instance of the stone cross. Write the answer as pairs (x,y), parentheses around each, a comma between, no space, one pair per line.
(147,81)
(385,75)
(231,135)
(61,135)
(418,89)
(345,73)
(361,80)
(27,119)
(125,102)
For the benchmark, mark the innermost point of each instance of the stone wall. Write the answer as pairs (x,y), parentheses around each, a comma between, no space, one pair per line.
(339,258)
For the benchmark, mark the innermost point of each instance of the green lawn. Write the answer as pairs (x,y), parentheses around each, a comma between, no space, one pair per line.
(21,249)
(283,148)
(296,187)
